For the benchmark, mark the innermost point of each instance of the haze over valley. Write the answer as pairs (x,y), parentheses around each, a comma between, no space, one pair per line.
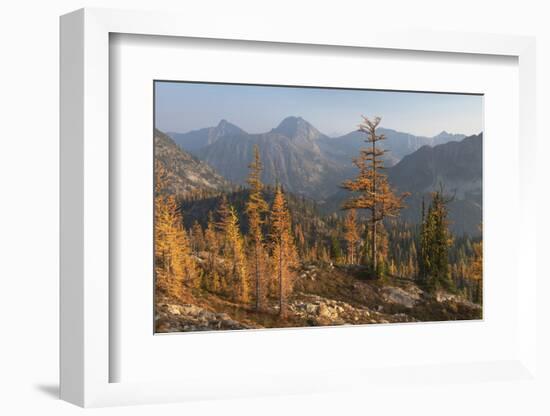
(309,163)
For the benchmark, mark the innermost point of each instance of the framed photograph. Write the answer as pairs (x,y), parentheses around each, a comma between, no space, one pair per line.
(247,215)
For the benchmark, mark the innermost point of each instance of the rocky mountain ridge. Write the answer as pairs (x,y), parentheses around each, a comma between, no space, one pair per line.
(185,173)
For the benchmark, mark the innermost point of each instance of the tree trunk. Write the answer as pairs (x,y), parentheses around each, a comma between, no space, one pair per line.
(374,260)
(281,302)
(257,279)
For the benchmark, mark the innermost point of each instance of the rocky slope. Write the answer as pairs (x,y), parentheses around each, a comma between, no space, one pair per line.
(172,317)
(185,172)
(324,296)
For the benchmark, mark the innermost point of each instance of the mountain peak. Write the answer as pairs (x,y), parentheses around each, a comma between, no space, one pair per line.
(226,124)
(445,134)
(225,128)
(291,122)
(293,119)
(446,137)
(297,128)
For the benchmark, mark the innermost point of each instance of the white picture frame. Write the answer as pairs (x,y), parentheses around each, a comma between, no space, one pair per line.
(86,356)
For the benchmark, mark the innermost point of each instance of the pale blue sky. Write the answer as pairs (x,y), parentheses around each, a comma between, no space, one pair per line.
(181,107)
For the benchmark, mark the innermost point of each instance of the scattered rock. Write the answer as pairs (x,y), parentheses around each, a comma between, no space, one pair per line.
(454,303)
(343,296)
(324,311)
(173,309)
(400,296)
(319,311)
(190,310)
(442,296)
(187,317)
(311,308)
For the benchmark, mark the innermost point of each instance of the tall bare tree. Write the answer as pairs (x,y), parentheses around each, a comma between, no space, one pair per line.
(371,186)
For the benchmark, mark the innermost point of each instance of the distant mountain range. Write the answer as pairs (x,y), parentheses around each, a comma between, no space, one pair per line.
(290,153)
(342,149)
(198,139)
(308,163)
(295,153)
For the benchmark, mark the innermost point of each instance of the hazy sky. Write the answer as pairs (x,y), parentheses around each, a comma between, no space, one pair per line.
(181,107)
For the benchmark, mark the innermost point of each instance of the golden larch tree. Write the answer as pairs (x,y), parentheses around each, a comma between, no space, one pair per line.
(212,246)
(300,238)
(174,264)
(183,262)
(371,187)
(197,238)
(283,249)
(238,278)
(222,214)
(256,207)
(351,235)
(476,269)
(165,235)
(232,247)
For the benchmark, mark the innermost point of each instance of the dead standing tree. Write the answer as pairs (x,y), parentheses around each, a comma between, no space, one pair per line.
(371,186)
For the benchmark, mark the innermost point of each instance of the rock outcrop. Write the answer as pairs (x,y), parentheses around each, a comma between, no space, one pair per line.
(319,311)
(183,318)
(397,295)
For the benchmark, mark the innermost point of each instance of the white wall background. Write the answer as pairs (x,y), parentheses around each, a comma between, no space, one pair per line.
(29,115)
